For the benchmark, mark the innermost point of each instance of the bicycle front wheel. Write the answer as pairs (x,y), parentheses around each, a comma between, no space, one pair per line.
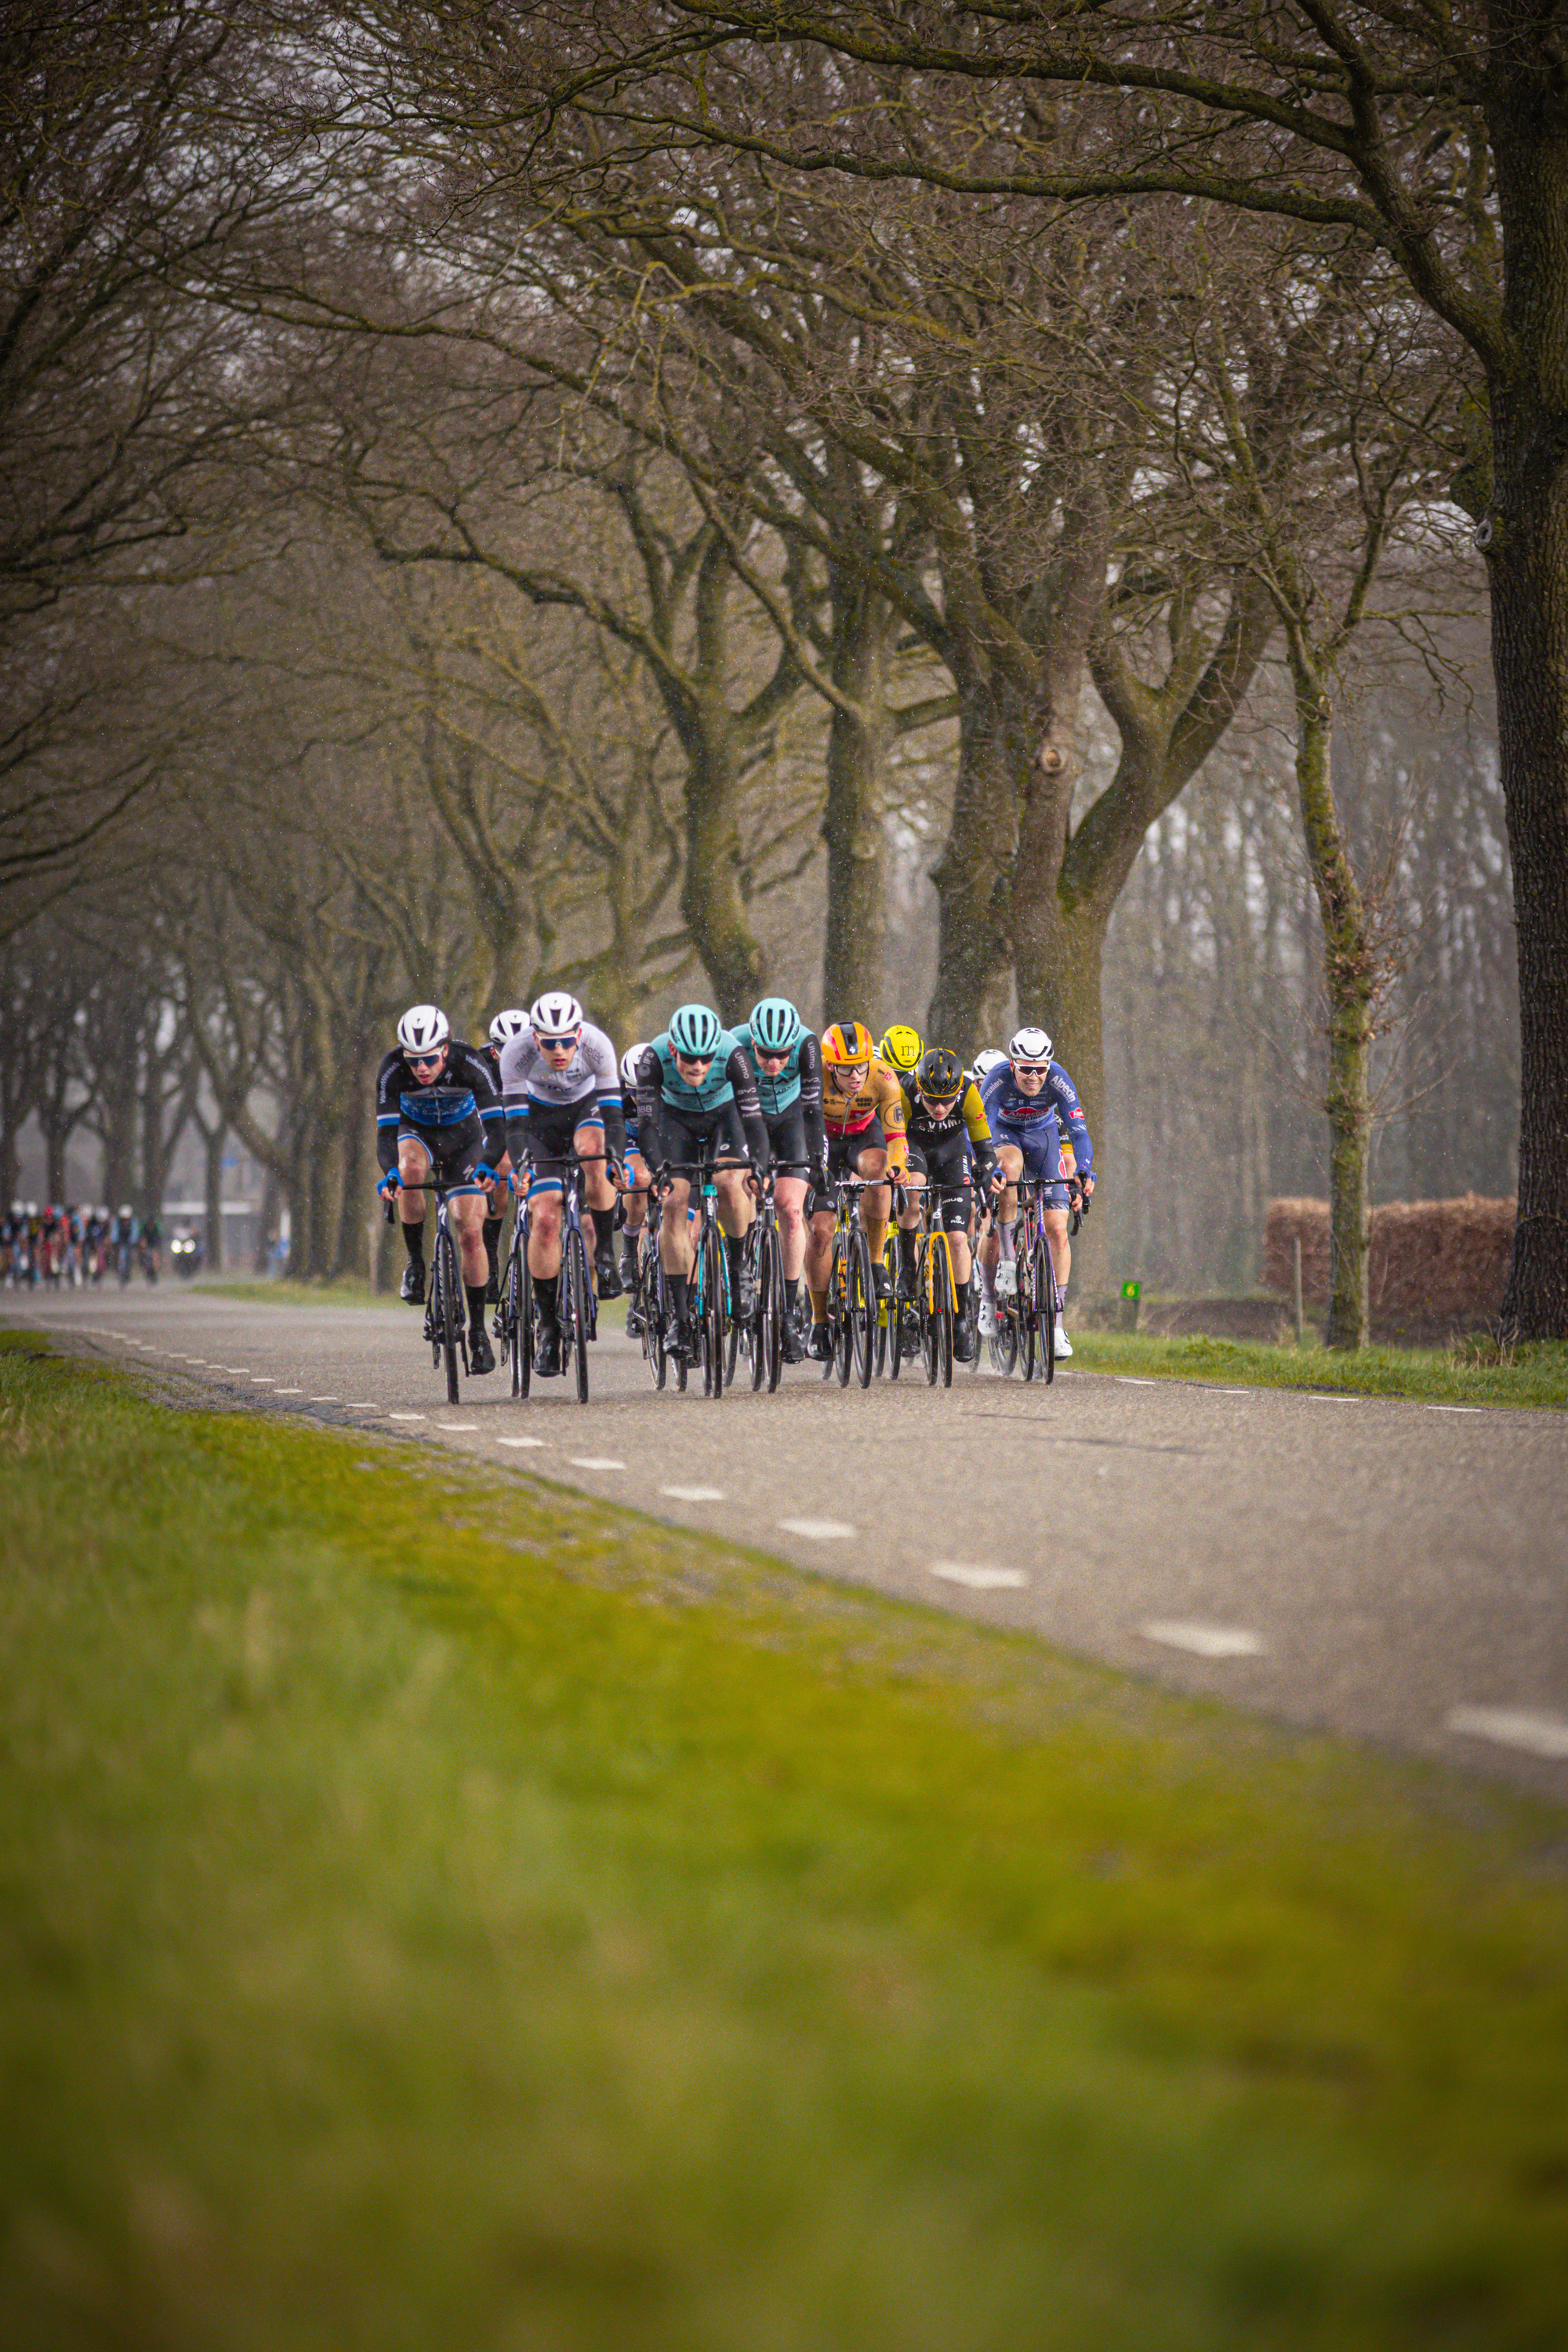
(449,1307)
(862,1307)
(714,1319)
(1046,1281)
(576,1286)
(839,1309)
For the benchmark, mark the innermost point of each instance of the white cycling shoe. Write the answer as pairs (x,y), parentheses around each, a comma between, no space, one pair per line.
(987,1317)
(1064,1345)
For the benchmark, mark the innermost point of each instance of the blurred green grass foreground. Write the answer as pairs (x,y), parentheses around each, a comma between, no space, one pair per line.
(437,1910)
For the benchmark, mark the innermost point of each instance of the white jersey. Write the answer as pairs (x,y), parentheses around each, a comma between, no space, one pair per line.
(594,1073)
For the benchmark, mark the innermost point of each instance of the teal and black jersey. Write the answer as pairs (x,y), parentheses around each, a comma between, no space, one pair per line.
(799,1081)
(730,1087)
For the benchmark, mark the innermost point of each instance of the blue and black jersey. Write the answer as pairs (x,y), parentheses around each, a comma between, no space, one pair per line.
(467,1089)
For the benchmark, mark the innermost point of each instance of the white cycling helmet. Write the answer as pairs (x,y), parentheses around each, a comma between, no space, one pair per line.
(1029,1044)
(555,1016)
(506,1026)
(987,1060)
(629,1061)
(424,1029)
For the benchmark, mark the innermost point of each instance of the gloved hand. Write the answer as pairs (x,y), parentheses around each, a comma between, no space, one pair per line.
(390,1184)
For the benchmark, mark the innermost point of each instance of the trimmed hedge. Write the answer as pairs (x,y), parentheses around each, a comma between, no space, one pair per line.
(1431,1261)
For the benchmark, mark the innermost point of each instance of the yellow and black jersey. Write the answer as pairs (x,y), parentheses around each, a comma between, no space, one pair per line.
(966,1117)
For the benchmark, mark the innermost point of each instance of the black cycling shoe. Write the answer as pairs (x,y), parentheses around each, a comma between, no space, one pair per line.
(482,1355)
(964,1341)
(820,1344)
(745,1307)
(792,1341)
(633,1319)
(413,1291)
(547,1351)
(628,1265)
(606,1273)
(882,1276)
(676,1342)
(492,1291)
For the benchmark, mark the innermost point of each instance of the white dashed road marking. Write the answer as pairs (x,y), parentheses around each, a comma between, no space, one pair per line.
(406,1416)
(291,1391)
(452,1428)
(361,1404)
(1204,1640)
(694,1494)
(1129,1380)
(520,1441)
(1539,1734)
(1456,1408)
(817,1530)
(979,1578)
(326,1400)
(1331,1396)
(593,1462)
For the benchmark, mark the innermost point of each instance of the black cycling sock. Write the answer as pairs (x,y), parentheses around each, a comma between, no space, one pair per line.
(628,1252)
(962,1290)
(414,1241)
(476,1295)
(676,1285)
(907,1248)
(546,1287)
(492,1235)
(792,1293)
(737,1259)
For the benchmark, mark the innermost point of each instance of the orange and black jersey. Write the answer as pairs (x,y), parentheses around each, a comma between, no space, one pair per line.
(878,1096)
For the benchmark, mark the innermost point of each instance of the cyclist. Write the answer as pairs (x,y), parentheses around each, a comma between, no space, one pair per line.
(127,1233)
(901,1048)
(634,1200)
(439,1114)
(1033,1108)
(863,1114)
(502,1029)
(153,1248)
(562,1089)
(697,1097)
(948,1130)
(787,1058)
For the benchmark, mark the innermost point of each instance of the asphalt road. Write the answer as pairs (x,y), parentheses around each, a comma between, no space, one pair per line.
(1395,1571)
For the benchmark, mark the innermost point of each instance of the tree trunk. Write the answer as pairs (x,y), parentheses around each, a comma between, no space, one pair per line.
(119,1135)
(995,743)
(214,1139)
(852,826)
(710,896)
(1350,983)
(1526,529)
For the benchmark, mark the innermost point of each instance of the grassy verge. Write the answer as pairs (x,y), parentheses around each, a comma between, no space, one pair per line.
(438,1909)
(1536,1375)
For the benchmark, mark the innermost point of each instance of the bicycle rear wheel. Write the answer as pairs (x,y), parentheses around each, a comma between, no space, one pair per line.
(449,1306)
(575,1269)
(862,1307)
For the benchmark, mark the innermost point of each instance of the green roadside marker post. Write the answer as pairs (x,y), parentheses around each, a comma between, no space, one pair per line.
(1131,1292)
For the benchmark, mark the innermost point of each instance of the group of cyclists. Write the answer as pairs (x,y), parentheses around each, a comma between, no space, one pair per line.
(769,1103)
(66,1246)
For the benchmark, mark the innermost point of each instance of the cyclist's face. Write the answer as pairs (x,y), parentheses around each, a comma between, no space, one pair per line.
(428,1064)
(694,1067)
(852,1077)
(558,1051)
(939,1106)
(772,1063)
(1031,1075)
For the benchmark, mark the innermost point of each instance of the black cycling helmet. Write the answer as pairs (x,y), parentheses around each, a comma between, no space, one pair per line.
(941,1073)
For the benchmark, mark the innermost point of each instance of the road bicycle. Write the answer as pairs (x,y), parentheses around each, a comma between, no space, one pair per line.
(1028,1301)
(715,1328)
(851,1287)
(935,1303)
(446,1324)
(764,1257)
(577,1306)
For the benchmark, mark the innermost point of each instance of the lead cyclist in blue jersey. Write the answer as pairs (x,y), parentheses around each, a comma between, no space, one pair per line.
(697,1098)
(1034,1109)
(439,1114)
(787,1058)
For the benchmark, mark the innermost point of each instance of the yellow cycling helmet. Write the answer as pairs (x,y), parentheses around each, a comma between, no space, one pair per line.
(901,1048)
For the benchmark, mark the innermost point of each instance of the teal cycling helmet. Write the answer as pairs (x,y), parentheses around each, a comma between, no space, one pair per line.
(695,1032)
(775,1024)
